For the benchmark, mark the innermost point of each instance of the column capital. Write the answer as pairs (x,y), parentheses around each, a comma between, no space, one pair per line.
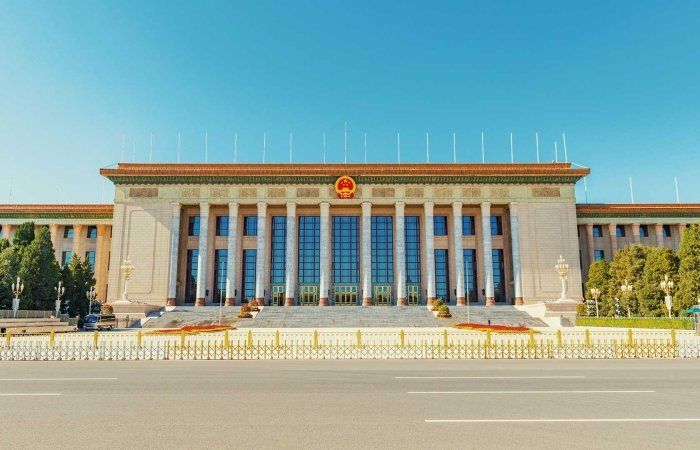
(428,207)
(262,207)
(485,204)
(177,207)
(612,228)
(101,229)
(291,208)
(399,207)
(457,207)
(203,209)
(366,208)
(232,208)
(589,227)
(325,208)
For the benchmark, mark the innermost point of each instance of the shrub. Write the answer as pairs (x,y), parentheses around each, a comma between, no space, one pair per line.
(244,314)
(436,305)
(641,322)
(581,310)
(107,309)
(444,311)
(253,304)
(245,308)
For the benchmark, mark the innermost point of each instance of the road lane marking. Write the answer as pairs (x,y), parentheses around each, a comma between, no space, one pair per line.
(682,419)
(58,379)
(544,377)
(532,392)
(37,394)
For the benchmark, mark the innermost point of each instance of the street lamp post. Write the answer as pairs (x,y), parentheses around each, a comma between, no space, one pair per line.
(17,289)
(667,286)
(91,294)
(127,269)
(595,293)
(626,289)
(60,290)
(563,270)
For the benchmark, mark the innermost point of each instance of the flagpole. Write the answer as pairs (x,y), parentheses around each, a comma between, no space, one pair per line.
(678,198)
(631,190)
(566,153)
(556,152)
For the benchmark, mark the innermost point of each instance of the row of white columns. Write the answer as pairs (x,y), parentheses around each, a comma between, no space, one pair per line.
(366,253)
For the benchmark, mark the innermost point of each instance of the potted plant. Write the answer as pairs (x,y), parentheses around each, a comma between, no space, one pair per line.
(444,311)
(253,304)
(436,305)
(244,313)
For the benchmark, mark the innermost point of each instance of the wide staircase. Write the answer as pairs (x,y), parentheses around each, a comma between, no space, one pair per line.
(29,322)
(343,317)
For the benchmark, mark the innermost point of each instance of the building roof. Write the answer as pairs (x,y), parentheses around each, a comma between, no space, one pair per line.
(133,173)
(56,211)
(641,210)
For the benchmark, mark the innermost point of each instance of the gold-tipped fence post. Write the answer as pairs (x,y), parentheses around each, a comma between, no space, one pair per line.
(359,338)
(402,338)
(673,337)
(630,339)
(139,338)
(277,338)
(226,339)
(250,338)
(96,337)
(8,340)
(488,339)
(559,338)
(587,337)
(315,338)
(52,336)
(531,340)
(445,339)
(182,339)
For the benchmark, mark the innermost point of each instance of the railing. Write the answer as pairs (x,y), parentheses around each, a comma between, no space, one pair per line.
(241,344)
(26,314)
(679,323)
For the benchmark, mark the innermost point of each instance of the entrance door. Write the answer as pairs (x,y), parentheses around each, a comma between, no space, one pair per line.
(381,295)
(413,294)
(345,295)
(308,295)
(277,295)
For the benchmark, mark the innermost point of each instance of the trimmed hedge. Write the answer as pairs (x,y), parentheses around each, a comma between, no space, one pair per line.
(677,323)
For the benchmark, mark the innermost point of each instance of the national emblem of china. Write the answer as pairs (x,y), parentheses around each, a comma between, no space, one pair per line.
(345,187)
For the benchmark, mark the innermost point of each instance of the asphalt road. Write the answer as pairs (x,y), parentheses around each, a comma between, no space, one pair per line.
(418,404)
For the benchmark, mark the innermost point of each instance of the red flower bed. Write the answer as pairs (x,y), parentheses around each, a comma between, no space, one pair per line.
(494,328)
(194,329)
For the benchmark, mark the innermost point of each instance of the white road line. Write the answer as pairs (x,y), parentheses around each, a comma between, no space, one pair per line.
(530,392)
(692,419)
(58,379)
(544,377)
(39,394)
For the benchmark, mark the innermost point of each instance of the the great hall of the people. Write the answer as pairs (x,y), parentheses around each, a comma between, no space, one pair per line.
(346,234)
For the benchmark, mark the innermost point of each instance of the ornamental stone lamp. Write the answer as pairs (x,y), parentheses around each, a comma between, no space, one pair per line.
(60,290)
(626,289)
(127,269)
(563,271)
(595,293)
(667,286)
(17,289)
(91,294)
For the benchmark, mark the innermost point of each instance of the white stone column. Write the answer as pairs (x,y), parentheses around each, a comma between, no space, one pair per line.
(659,228)
(202,258)
(429,252)
(174,253)
(400,260)
(260,254)
(458,252)
(612,232)
(323,250)
(232,252)
(291,255)
(7,232)
(515,253)
(366,254)
(78,248)
(635,233)
(54,229)
(488,255)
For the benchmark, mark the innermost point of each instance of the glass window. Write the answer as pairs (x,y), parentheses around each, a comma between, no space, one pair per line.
(250,226)
(191,281)
(346,250)
(412,237)
(468,228)
(278,250)
(496,226)
(193,226)
(599,255)
(220,269)
(643,231)
(499,276)
(222,225)
(309,249)
(382,249)
(470,276)
(440,226)
(68,232)
(249,260)
(66,258)
(597,231)
(92,232)
(620,231)
(442,283)
(90,257)
(666,231)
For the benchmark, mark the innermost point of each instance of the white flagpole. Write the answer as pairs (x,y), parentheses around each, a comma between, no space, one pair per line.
(290,148)
(324,148)
(678,198)
(537,144)
(454,147)
(264,146)
(178,147)
(631,190)
(566,153)
(427,148)
(585,189)
(512,160)
(483,154)
(398,146)
(123,144)
(556,152)
(346,143)
(150,156)
(235,147)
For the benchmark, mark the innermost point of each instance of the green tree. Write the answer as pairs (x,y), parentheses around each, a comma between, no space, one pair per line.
(660,261)
(39,272)
(689,269)
(78,280)
(4,244)
(24,235)
(599,278)
(627,265)
(9,269)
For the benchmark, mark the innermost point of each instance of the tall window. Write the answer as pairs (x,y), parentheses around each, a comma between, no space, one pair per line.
(442,283)
(66,257)
(499,276)
(92,232)
(440,226)
(191,281)
(496,226)
(382,249)
(250,226)
(412,238)
(666,230)
(470,276)
(278,250)
(644,230)
(620,230)
(193,226)
(220,267)
(468,228)
(346,250)
(599,255)
(222,225)
(597,231)
(90,258)
(309,249)
(248,284)
(68,232)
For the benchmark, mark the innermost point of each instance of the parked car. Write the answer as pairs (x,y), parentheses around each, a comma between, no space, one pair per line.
(99,322)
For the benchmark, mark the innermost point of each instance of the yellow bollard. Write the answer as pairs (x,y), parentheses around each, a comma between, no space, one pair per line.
(402,338)
(673,337)
(95,337)
(559,338)
(8,339)
(138,339)
(51,339)
(630,341)
(445,341)
(277,338)
(250,338)
(531,341)
(359,338)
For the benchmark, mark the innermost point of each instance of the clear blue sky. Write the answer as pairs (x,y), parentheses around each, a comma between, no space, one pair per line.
(621,79)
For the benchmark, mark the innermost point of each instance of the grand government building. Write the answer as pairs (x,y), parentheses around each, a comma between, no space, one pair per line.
(346,234)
